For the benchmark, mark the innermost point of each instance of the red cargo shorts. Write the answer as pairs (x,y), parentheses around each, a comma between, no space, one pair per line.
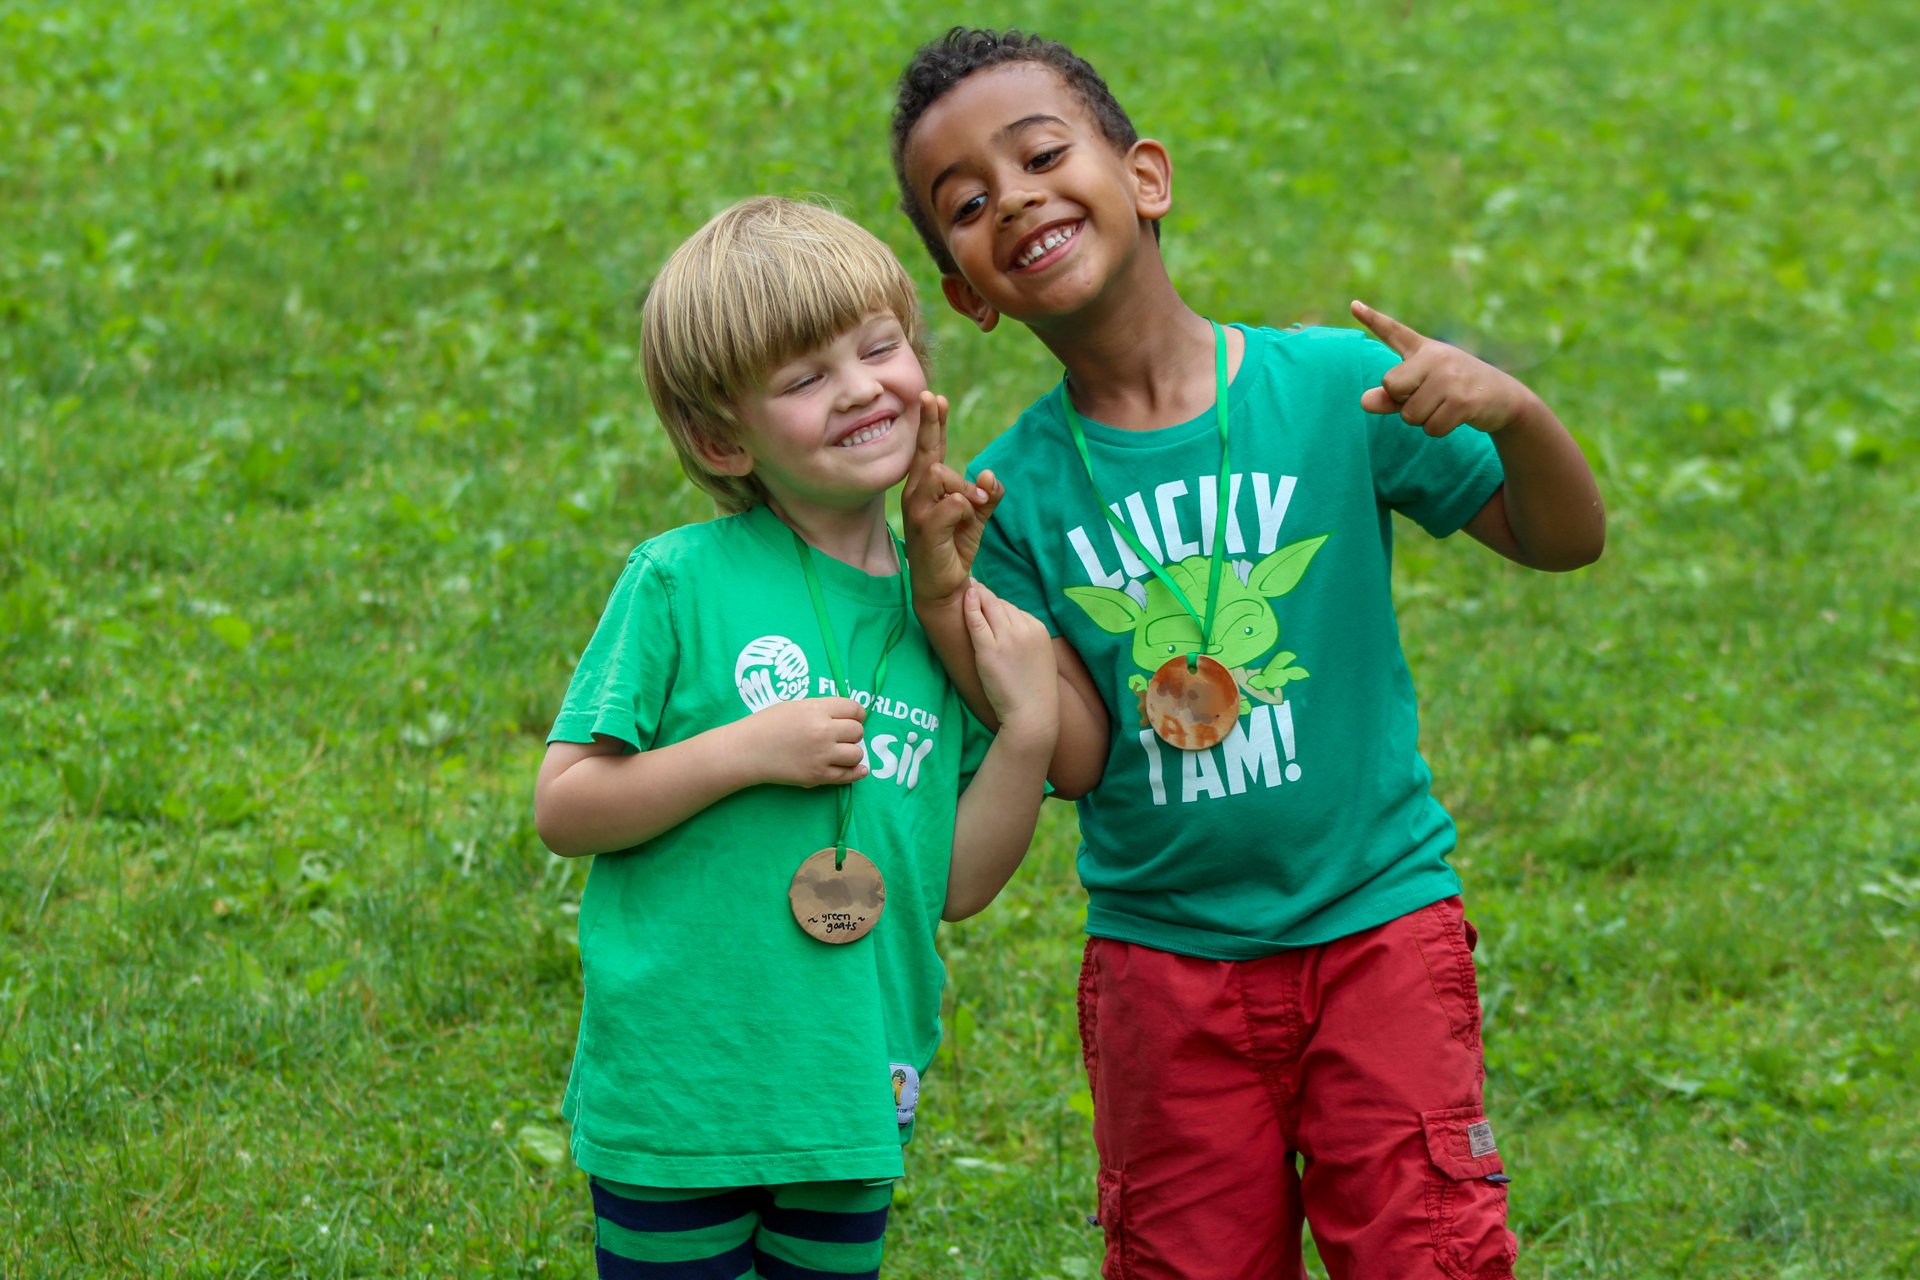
(1336,1085)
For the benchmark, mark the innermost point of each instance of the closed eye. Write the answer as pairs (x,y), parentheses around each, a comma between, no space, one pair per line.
(882,350)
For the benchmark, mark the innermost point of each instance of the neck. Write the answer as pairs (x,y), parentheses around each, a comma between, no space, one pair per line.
(1140,361)
(858,537)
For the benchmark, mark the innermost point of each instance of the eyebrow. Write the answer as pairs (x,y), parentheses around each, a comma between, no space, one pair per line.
(1000,136)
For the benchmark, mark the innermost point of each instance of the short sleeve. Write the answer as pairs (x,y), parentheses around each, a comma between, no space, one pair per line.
(622,682)
(1440,483)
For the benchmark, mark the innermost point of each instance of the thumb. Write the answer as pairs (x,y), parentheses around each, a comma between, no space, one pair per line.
(1377,400)
(974,606)
(990,484)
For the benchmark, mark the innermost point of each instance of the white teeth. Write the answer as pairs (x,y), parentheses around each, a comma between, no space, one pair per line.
(1045,244)
(866,435)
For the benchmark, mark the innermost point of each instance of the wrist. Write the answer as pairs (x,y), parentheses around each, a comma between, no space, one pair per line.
(934,602)
(1030,730)
(739,759)
(1530,416)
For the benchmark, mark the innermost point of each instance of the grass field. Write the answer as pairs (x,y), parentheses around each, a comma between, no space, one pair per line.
(321,441)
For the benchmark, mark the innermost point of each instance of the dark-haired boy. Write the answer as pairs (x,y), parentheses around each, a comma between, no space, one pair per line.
(1278,1006)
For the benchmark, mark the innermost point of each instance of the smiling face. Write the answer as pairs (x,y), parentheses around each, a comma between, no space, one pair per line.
(832,429)
(1040,212)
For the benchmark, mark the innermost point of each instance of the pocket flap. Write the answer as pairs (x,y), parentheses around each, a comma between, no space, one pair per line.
(1460,1142)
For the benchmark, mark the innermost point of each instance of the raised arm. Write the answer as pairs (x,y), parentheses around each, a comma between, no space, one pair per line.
(945,517)
(1548,513)
(599,797)
(994,822)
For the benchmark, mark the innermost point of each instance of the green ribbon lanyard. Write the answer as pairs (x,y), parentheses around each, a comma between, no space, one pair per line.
(1220,512)
(839,669)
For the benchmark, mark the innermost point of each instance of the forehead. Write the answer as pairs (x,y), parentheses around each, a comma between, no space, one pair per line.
(818,336)
(971,119)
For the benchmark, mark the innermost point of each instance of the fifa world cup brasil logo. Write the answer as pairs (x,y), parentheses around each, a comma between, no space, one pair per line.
(769,670)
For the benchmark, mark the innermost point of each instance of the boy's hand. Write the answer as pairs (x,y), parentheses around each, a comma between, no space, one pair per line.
(1439,387)
(808,742)
(1014,655)
(943,513)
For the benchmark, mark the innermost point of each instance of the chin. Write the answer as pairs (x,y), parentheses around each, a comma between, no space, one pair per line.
(896,474)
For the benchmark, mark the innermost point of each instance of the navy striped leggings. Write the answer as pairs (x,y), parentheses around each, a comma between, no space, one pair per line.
(797,1231)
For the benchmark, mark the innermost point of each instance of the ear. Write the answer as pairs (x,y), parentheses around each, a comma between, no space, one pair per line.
(1152,171)
(962,298)
(1110,610)
(723,457)
(1280,572)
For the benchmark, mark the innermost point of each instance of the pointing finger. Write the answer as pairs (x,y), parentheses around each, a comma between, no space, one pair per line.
(1403,340)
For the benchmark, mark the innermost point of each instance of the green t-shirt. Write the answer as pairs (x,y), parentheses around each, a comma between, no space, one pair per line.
(719,1044)
(1313,819)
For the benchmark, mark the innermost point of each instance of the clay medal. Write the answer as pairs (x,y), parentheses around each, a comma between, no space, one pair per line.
(1192,708)
(1192,702)
(838,893)
(837,905)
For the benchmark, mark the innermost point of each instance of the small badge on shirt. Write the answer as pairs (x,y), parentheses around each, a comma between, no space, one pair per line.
(906,1092)
(1480,1139)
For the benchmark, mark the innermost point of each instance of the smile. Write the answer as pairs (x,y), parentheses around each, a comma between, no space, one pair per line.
(866,434)
(1044,244)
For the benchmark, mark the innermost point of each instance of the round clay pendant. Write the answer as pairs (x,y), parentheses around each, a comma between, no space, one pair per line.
(1193,709)
(837,905)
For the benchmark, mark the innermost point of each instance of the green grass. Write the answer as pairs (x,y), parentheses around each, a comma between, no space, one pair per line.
(320,442)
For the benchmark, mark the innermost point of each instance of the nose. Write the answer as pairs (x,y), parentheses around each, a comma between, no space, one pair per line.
(857,388)
(1016,202)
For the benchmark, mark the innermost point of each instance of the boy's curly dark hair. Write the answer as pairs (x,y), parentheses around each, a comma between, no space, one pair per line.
(941,64)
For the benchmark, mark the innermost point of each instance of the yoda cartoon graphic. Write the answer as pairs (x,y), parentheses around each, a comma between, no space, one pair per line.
(1244,625)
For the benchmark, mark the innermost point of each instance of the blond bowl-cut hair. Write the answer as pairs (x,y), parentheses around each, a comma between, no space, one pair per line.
(763,281)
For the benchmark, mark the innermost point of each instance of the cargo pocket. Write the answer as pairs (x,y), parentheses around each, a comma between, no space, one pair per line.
(1467,1196)
(1446,946)
(1113,1222)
